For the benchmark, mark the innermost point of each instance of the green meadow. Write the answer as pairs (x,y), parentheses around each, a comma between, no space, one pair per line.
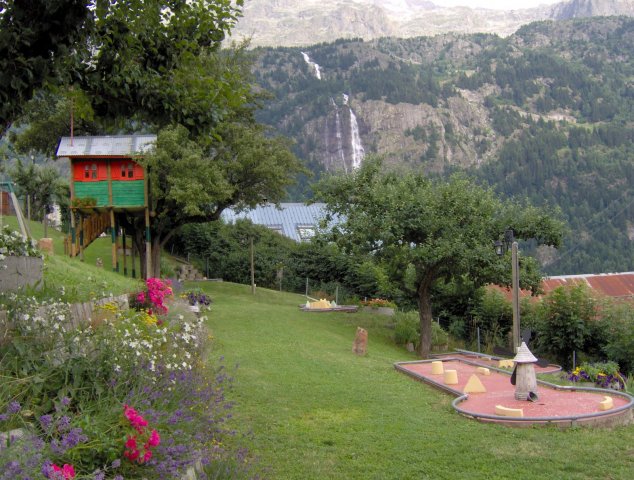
(308,408)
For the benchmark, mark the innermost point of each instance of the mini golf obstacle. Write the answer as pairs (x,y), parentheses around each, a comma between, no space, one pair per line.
(323,305)
(484,392)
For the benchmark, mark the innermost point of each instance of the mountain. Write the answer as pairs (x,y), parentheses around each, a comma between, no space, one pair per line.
(546,113)
(308,22)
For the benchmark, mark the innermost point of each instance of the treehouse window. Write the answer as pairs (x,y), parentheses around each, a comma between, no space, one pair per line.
(90,171)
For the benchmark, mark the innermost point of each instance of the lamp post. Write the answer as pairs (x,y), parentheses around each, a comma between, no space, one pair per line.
(501,248)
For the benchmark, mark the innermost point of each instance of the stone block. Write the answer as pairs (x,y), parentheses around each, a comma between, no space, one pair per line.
(20,272)
(508,412)
(437,368)
(606,404)
(474,385)
(483,371)
(506,364)
(360,345)
(451,377)
(46,245)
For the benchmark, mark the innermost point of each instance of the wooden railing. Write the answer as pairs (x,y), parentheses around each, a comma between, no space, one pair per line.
(92,226)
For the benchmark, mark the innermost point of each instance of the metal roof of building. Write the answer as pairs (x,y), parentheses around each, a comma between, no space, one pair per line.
(294,220)
(105,146)
(616,285)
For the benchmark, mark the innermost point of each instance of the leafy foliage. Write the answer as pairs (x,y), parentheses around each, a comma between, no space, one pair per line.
(426,231)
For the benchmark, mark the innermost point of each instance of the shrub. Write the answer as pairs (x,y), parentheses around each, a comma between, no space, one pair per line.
(407,330)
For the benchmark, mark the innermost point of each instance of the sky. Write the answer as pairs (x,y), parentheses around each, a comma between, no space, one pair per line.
(496,4)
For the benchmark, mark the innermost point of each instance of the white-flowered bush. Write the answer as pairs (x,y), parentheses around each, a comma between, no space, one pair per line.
(12,243)
(134,338)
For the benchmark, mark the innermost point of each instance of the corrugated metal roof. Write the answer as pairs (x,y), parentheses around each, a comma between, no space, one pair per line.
(294,220)
(617,285)
(106,146)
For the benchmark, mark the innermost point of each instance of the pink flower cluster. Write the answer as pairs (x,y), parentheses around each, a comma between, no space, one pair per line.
(157,290)
(66,472)
(138,447)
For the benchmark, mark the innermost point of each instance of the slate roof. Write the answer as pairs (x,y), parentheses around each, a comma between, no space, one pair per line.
(105,146)
(294,220)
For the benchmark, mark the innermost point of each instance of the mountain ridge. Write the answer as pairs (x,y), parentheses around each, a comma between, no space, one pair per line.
(309,22)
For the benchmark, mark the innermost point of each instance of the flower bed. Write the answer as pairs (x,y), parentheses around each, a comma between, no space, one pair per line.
(127,398)
(603,375)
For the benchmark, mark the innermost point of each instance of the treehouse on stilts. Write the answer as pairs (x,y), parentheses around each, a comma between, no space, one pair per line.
(106,184)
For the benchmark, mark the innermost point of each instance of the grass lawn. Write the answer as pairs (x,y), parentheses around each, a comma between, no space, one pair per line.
(310,409)
(81,280)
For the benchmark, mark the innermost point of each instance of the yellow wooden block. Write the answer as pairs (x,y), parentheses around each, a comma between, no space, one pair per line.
(437,368)
(508,412)
(506,364)
(483,370)
(474,385)
(451,377)
(606,404)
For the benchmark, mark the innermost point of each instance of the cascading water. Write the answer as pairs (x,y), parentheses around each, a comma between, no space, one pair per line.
(313,65)
(358,152)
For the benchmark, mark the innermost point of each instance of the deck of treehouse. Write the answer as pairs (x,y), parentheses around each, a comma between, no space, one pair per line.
(107,182)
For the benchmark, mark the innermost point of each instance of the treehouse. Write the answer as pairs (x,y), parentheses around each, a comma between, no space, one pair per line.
(106,184)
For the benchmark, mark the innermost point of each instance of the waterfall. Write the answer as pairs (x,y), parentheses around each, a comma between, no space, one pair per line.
(358,152)
(313,65)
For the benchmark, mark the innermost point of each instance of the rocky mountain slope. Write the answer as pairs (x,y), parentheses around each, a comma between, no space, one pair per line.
(308,22)
(546,113)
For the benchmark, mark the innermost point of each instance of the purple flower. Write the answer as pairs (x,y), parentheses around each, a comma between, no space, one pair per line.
(13,408)
(45,421)
(63,423)
(116,463)
(66,401)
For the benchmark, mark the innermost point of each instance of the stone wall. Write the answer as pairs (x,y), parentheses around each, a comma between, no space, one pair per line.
(20,272)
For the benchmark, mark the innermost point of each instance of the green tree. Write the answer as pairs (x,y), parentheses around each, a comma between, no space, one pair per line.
(42,185)
(35,37)
(569,323)
(192,184)
(145,65)
(427,231)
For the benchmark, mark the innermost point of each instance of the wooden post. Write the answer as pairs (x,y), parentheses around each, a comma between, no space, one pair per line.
(113,237)
(148,245)
(133,257)
(148,240)
(81,237)
(125,263)
(516,298)
(252,269)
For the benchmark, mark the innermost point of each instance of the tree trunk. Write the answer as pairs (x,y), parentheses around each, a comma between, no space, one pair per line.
(156,257)
(424,311)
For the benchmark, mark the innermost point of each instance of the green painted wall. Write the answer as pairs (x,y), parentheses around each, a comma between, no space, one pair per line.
(98,190)
(128,193)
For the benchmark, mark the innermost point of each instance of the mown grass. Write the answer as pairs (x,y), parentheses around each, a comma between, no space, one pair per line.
(79,280)
(311,409)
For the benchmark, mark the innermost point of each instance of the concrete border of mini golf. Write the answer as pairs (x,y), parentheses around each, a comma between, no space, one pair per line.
(561,401)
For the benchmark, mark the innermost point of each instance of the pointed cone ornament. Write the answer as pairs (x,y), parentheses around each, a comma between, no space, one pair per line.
(524,355)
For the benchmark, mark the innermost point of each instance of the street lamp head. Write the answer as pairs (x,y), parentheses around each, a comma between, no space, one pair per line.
(499,247)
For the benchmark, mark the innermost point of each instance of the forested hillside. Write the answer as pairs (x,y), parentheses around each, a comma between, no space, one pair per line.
(547,113)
